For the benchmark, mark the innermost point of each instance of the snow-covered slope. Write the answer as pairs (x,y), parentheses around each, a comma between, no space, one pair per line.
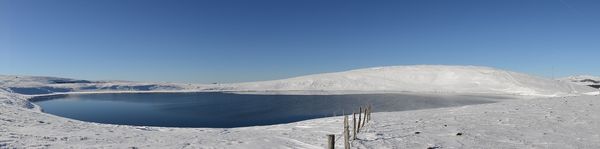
(34,85)
(421,78)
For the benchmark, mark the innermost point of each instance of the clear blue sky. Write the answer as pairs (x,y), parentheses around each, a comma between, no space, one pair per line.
(232,41)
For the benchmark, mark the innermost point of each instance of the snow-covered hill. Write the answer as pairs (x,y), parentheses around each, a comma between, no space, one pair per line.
(421,78)
(35,85)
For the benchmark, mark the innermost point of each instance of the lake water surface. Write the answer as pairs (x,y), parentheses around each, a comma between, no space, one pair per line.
(224,110)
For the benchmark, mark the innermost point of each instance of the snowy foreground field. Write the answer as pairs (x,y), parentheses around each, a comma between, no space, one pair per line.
(544,114)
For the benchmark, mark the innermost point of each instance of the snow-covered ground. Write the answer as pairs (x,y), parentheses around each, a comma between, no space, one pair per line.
(560,116)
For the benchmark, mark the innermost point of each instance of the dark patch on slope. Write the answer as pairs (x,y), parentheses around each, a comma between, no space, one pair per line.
(38,90)
(68,81)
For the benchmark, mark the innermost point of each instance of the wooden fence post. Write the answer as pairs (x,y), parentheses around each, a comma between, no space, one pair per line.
(364,119)
(370,110)
(353,126)
(367,113)
(346,133)
(330,141)
(359,119)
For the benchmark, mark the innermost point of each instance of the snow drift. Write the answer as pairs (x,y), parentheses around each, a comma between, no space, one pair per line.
(422,78)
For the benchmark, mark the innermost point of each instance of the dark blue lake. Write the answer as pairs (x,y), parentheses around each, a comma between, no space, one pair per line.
(224,110)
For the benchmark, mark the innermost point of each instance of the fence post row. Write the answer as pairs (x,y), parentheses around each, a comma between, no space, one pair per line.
(356,125)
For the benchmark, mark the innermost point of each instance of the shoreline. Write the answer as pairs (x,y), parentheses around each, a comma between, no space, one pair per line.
(281,92)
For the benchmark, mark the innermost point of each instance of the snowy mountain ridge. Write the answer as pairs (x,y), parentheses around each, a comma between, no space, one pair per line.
(417,78)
